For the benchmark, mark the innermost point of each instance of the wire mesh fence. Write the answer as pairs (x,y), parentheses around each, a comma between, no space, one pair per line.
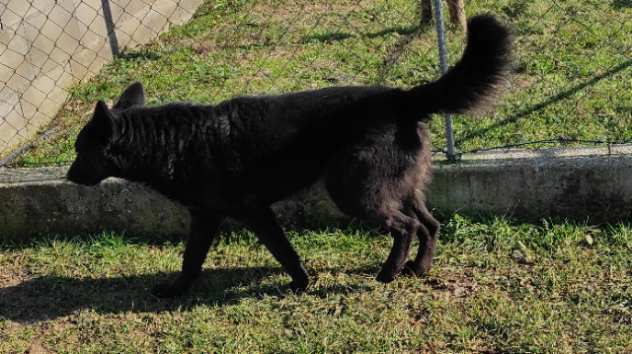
(571,81)
(47,46)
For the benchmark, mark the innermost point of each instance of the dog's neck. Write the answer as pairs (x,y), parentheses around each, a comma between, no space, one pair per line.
(152,144)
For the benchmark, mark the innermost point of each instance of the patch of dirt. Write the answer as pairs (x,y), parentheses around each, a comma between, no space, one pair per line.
(7,280)
(36,348)
(456,284)
(12,275)
(310,8)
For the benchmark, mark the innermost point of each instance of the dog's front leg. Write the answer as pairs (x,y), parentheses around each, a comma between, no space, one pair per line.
(268,231)
(204,228)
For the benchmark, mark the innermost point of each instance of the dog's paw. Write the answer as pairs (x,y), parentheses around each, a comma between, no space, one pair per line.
(413,270)
(298,287)
(385,276)
(167,291)
(410,269)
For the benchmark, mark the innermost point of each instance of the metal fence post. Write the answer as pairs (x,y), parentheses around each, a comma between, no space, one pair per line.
(443,61)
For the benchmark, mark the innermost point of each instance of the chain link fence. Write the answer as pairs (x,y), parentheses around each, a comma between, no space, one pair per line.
(593,53)
(571,80)
(46,46)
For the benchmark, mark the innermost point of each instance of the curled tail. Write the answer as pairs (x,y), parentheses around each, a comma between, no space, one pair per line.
(472,80)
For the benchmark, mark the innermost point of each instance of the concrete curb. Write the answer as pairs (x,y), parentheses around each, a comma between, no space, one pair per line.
(594,184)
(586,184)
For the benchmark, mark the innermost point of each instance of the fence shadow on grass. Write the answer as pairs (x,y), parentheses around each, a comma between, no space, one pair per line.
(50,297)
(621,4)
(549,101)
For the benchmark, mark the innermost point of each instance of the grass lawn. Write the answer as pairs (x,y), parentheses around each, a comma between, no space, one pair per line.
(497,287)
(573,67)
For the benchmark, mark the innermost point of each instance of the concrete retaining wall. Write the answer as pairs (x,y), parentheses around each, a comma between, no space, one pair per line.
(46,46)
(585,184)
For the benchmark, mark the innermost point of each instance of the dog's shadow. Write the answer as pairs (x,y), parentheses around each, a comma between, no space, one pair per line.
(50,297)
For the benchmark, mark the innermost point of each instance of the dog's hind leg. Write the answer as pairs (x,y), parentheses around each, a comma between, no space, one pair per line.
(403,228)
(268,231)
(428,234)
(204,228)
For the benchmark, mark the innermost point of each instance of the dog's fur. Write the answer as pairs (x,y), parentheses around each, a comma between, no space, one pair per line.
(234,159)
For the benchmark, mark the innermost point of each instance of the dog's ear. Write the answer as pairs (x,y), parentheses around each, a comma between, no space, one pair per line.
(102,123)
(134,95)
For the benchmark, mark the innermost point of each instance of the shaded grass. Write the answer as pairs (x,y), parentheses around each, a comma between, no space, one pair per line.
(236,47)
(497,287)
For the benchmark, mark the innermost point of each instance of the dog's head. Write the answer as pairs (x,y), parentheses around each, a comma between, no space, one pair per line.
(95,159)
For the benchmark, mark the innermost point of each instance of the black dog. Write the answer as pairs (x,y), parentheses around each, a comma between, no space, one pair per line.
(236,158)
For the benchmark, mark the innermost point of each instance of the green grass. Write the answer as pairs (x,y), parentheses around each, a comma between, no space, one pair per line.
(573,67)
(497,287)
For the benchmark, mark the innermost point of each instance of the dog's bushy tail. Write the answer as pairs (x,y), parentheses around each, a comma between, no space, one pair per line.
(472,81)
